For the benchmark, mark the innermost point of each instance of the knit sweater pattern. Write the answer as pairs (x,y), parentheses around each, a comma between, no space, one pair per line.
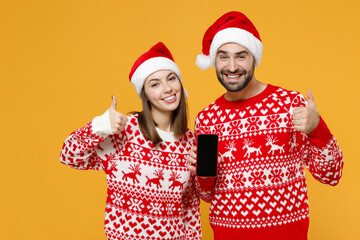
(261,179)
(150,192)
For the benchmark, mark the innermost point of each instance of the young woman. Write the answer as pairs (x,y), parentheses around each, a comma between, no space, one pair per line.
(150,190)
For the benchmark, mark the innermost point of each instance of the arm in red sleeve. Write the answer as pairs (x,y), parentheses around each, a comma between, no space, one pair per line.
(321,154)
(205,188)
(79,149)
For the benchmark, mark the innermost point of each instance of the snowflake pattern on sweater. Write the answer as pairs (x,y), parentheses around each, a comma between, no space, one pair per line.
(261,179)
(151,193)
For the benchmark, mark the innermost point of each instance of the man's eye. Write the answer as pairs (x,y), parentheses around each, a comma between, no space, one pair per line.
(222,57)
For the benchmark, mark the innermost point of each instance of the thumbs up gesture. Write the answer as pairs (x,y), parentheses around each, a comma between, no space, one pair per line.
(307,118)
(117,120)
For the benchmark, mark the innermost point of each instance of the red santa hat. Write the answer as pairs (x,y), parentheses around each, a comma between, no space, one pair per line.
(157,58)
(232,27)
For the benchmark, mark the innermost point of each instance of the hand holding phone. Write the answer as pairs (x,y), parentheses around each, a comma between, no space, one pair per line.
(207,155)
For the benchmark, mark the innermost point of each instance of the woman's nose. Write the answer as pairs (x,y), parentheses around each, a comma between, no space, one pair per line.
(167,87)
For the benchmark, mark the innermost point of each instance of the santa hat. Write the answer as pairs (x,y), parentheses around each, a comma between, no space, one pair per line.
(157,58)
(232,27)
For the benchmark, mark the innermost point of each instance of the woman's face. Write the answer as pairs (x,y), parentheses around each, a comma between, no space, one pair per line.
(163,89)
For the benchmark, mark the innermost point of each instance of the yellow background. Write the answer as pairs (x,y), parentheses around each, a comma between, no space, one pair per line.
(60,62)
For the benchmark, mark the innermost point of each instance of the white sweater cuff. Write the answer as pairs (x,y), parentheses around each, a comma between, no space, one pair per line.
(101,125)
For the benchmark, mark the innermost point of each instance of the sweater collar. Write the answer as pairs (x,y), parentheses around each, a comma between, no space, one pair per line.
(223,102)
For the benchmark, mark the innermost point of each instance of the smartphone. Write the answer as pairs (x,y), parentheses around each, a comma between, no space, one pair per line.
(207,154)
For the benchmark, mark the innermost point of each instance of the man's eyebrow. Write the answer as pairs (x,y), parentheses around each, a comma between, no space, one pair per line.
(221,51)
(242,52)
(237,53)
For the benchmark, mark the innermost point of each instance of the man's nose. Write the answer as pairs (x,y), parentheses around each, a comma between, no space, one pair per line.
(233,65)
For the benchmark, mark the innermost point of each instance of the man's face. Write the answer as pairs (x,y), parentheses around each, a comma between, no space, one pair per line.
(234,66)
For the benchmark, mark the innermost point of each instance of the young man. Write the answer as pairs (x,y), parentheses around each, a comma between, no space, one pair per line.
(266,136)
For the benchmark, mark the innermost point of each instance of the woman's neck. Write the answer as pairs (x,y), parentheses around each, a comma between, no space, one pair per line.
(162,119)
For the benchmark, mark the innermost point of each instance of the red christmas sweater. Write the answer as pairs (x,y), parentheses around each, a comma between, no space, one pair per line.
(260,191)
(150,192)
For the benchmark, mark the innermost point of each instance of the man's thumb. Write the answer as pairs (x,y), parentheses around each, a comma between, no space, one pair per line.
(310,96)
(114,103)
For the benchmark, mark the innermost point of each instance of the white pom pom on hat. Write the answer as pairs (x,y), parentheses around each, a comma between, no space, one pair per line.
(203,61)
(232,27)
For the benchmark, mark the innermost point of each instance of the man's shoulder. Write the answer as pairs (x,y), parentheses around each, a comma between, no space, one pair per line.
(211,107)
(285,94)
(282,90)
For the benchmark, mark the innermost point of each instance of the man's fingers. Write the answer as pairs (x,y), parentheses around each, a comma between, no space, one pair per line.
(300,125)
(296,117)
(191,161)
(192,154)
(296,123)
(219,160)
(300,128)
(191,168)
(299,122)
(300,116)
(305,119)
(298,110)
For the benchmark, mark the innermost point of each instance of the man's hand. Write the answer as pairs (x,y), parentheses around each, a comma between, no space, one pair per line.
(117,120)
(191,159)
(307,118)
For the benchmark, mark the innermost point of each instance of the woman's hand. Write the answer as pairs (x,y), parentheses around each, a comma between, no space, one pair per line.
(117,120)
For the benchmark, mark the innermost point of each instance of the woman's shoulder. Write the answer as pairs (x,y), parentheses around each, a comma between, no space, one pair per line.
(133,119)
(189,135)
(132,125)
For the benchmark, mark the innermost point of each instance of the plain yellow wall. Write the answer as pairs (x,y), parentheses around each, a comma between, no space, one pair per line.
(60,62)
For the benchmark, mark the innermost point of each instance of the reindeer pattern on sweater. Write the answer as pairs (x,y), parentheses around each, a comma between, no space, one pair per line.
(261,180)
(151,193)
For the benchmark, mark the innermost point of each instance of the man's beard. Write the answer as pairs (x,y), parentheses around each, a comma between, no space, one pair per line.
(235,87)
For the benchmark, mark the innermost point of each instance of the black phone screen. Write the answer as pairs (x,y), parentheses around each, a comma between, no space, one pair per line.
(207,150)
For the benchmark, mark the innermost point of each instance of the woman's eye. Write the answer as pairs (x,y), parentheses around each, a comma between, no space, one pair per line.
(172,78)
(154,84)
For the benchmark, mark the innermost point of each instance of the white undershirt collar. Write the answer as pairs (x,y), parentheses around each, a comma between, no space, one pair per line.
(166,136)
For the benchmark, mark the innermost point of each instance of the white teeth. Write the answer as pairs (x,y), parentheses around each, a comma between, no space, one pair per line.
(233,76)
(169,98)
